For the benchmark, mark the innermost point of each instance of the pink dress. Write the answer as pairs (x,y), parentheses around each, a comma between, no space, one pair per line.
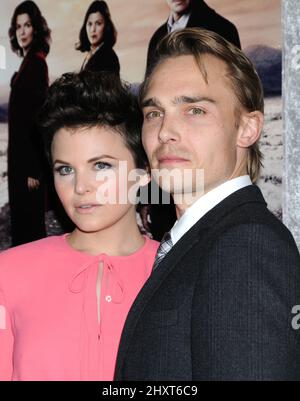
(49,326)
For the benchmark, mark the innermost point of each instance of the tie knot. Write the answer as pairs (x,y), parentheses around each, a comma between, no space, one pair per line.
(166,237)
(164,247)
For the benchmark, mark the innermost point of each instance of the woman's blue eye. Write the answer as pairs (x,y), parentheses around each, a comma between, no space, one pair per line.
(64,170)
(102,166)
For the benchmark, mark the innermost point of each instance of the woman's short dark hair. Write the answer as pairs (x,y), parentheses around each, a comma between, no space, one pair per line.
(89,99)
(41,32)
(109,34)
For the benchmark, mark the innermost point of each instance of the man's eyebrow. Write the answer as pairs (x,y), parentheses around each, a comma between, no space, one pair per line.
(152,101)
(192,99)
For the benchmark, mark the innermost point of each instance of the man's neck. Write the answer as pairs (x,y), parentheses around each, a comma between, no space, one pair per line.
(184,201)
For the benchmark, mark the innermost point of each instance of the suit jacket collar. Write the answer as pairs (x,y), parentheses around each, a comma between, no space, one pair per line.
(249,194)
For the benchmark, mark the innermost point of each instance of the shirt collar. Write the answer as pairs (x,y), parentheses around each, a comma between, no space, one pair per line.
(205,204)
(179,24)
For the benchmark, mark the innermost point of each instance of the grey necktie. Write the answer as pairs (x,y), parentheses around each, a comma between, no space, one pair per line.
(163,249)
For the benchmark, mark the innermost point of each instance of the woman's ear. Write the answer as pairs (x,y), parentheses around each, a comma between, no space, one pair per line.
(250,128)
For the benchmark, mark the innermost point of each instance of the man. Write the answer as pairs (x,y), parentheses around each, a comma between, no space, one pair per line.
(191,13)
(218,305)
(184,13)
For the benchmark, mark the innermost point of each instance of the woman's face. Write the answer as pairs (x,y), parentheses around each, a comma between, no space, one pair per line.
(24,31)
(95,177)
(94,28)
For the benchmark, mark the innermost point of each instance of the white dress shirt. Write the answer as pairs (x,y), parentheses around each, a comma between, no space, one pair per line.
(179,24)
(205,204)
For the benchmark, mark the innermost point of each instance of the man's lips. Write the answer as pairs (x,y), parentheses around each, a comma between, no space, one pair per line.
(171,159)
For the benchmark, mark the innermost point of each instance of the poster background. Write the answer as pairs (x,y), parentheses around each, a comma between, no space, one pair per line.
(258,23)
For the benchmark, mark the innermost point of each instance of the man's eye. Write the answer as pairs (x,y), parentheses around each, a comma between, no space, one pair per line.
(196,111)
(153,114)
(64,170)
(102,166)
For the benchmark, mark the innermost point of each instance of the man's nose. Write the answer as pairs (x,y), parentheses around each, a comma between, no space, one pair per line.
(169,130)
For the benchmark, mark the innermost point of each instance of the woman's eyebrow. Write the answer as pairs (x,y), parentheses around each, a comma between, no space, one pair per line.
(60,162)
(93,159)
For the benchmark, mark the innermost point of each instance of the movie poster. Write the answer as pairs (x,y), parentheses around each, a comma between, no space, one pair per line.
(259,26)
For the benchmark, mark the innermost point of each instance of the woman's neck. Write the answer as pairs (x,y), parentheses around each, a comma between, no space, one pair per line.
(26,51)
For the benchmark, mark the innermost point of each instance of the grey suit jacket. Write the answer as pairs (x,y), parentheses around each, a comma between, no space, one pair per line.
(219,306)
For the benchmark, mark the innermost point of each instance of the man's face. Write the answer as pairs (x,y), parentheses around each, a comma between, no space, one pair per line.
(178,6)
(191,124)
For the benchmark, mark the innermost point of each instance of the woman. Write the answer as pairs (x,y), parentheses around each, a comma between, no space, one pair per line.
(29,38)
(64,299)
(97,37)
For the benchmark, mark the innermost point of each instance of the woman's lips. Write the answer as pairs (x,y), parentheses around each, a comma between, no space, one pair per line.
(86,209)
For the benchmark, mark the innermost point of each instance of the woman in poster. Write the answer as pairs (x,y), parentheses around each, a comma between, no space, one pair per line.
(29,37)
(97,37)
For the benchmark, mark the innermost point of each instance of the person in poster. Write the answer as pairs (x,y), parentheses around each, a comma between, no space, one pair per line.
(191,13)
(97,37)
(30,38)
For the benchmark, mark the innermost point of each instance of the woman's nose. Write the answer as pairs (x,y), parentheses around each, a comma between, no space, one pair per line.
(83,184)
